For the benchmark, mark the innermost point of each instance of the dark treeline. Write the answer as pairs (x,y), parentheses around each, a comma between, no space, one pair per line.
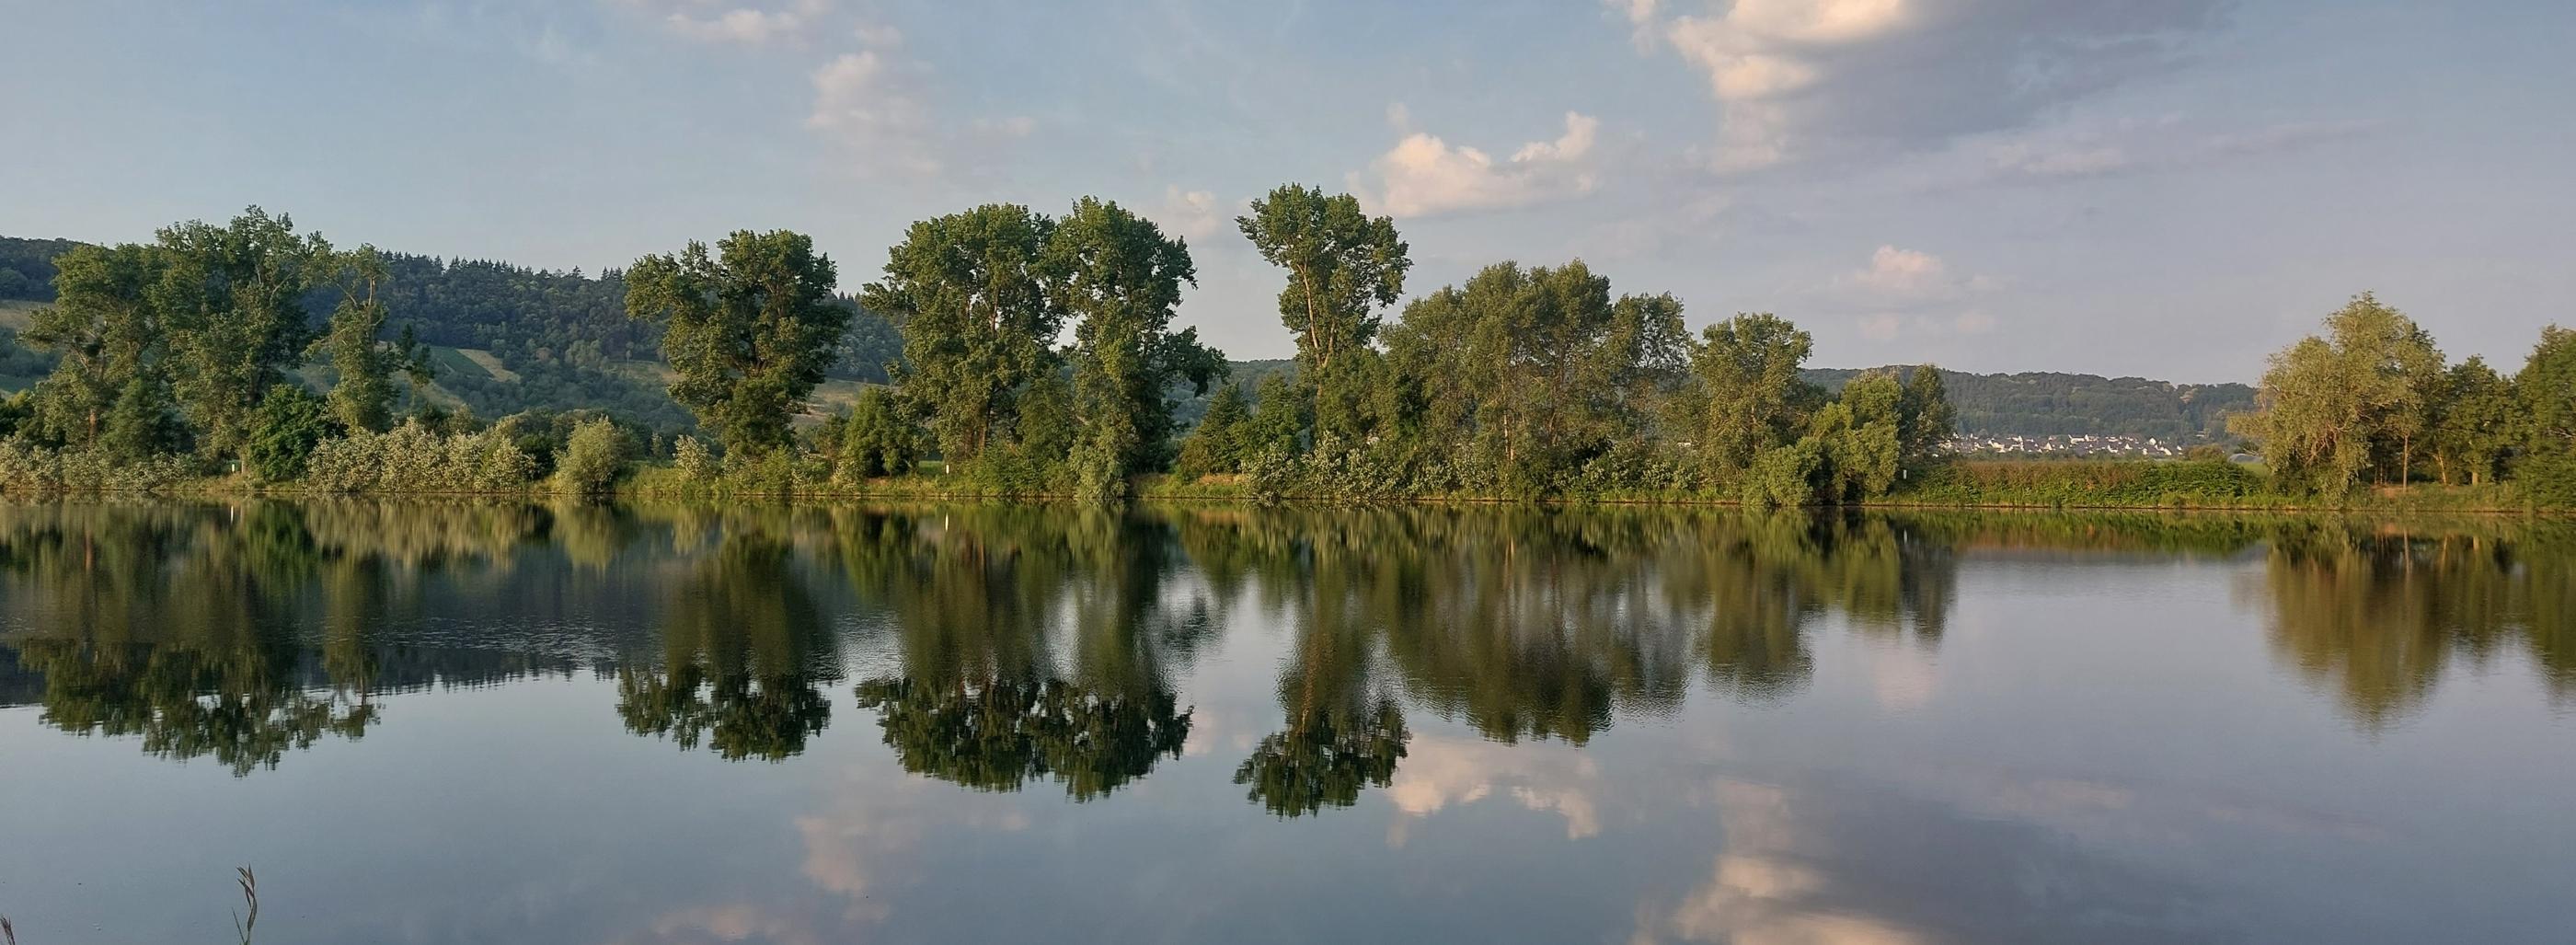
(1019,646)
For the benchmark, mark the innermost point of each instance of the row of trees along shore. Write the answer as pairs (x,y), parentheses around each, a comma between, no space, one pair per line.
(1040,358)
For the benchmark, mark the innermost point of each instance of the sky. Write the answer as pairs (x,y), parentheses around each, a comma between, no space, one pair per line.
(2163,188)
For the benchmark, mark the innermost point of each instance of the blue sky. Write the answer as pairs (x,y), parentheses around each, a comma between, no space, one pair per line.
(2169,188)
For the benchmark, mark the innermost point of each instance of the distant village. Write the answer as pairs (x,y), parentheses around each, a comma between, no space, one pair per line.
(2074,446)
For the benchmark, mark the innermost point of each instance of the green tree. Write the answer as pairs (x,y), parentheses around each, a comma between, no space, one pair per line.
(2334,410)
(110,335)
(1215,447)
(2474,423)
(1924,419)
(1343,267)
(976,295)
(2546,386)
(363,396)
(291,421)
(1279,417)
(1533,373)
(592,457)
(232,300)
(876,439)
(1123,278)
(749,331)
(1750,395)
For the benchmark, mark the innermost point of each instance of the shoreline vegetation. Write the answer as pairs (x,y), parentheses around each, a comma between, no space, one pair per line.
(1040,362)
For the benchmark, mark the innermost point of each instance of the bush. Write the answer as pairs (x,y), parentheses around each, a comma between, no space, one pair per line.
(693,460)
(592,458)
(1784,475)
(413,458)
(27,468)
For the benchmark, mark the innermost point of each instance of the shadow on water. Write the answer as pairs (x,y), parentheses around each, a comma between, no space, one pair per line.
(1015,644)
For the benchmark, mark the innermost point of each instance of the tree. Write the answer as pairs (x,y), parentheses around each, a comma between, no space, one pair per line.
(592,457)
(876,439)
(748,331)
(1343,267)
(1751,397)
(2331,411)
(109,333)
(363,396)
(977,297)
(232,300)
(1123,278)
(1924,419)
(291,421)
(2474,421)
(2546,386)
(1215,447)
(1534,373)
(1279,416)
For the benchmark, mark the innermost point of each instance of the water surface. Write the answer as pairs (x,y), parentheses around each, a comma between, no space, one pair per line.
(452,722)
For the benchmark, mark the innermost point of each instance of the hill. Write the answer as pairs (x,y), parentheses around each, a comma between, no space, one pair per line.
(2047,403)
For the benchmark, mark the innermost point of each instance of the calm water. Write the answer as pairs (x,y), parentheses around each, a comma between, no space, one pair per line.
(449,723)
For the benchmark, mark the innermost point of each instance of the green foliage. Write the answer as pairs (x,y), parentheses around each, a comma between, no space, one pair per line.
(28,468)
(592,457)
(979,299)
(27,267)
(1216,445)
(2336,410)
(231,300)
(1747,393)
(749,331)
(2106,483)
(1123,278)
(363,395)
(291,422)
(1343,267)
(693,459)
(1784,476)
(1522,378)
(412,458)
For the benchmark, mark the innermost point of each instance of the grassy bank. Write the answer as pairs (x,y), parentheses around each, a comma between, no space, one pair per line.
(2105,485)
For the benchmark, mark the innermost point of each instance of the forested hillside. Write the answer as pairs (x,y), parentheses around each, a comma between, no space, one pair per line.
(2047,403)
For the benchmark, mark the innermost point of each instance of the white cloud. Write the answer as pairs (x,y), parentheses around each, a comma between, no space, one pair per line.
(866,101)
(1423,175)
(1903,273)
(1798,78)
(1192,213)
(750,26)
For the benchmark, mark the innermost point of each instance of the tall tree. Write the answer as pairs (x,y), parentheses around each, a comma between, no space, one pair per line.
(1752,399)
(2333,410)
(1343,267)
(2546,387)
(363,396)
(1123,278)
(976,296)
(749,330)
(110,387)
(232,300)
(1924,419)
(2474,421)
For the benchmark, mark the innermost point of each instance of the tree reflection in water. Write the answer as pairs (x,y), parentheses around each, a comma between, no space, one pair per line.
(1046,643)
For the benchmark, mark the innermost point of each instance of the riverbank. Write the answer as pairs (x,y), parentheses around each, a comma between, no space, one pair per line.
(1966,486)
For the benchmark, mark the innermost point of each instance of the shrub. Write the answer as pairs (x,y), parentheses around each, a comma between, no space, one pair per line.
(289,424)
(27,468)
(693,460)
(413,458)
(592,458)
(1785,475)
